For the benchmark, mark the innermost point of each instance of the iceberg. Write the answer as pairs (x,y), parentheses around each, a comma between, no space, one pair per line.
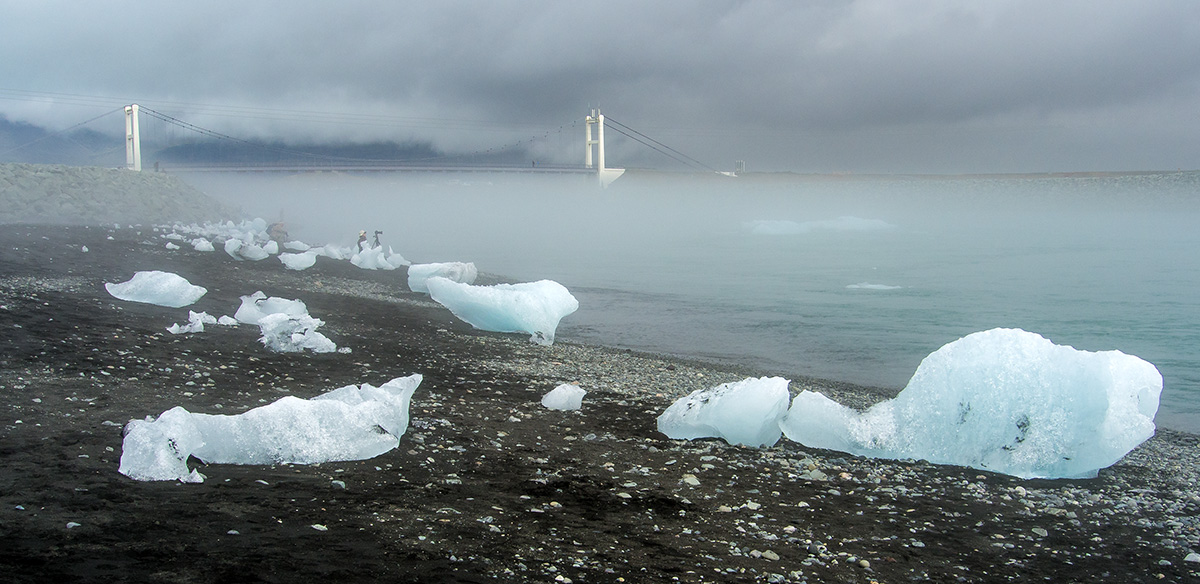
(160,288)
(196,322)
(298,261)
(463,273)
(201,244)
(348,423)
(870,286)
(258,305)
(240,250)
(336,252)
(286,333)
(564,397)
(745,412)
(531,307)
(1003,400)
(374,258)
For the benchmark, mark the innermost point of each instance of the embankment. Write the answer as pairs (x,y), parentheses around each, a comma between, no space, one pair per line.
(91,195)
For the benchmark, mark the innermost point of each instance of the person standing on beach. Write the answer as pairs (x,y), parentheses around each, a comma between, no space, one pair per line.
(362,240)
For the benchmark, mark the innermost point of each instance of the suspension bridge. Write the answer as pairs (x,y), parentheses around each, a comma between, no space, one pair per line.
(211,151)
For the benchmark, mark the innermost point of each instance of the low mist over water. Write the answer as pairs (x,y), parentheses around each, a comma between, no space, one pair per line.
(842,277)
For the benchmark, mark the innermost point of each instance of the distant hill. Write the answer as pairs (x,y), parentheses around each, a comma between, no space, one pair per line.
(257,152)
(22,142)
(28,143)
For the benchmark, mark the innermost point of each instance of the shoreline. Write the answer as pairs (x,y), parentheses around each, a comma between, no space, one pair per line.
(487,485)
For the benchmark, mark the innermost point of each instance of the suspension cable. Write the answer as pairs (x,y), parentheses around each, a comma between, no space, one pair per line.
(693,162)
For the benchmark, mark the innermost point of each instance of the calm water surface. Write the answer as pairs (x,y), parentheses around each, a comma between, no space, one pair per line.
(848,278)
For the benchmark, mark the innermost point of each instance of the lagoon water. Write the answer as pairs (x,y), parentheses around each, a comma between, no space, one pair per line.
(849,278)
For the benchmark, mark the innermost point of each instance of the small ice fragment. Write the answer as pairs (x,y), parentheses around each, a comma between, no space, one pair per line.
(564,397)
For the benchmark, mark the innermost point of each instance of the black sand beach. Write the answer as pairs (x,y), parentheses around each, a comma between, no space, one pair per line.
(487,485)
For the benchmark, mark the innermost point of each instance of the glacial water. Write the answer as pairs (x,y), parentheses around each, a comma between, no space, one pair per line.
(849,278)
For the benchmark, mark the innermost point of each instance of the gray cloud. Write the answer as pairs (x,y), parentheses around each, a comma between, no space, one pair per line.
(813,86)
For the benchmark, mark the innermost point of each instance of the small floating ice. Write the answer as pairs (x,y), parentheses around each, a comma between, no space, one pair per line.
(870,286)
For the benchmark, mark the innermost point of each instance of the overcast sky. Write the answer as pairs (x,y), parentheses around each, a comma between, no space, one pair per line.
(816,86)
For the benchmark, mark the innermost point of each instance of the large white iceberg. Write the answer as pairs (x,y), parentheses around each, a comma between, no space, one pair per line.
(154,287)
(531,307)
(1003,400)
(744,412)
(418,274)
(349,423)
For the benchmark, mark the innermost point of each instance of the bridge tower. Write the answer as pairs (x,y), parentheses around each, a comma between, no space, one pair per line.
(133,140)
(605,175)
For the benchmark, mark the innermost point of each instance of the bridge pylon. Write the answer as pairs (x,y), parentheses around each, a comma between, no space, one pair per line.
(133,140)
(604,175)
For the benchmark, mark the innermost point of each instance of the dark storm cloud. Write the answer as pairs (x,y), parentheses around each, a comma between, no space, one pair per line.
(941,86)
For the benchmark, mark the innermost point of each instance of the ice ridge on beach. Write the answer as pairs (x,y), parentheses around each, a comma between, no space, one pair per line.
(348,423)
(1003,400)
(159,288)
(531,307)
(745,412)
